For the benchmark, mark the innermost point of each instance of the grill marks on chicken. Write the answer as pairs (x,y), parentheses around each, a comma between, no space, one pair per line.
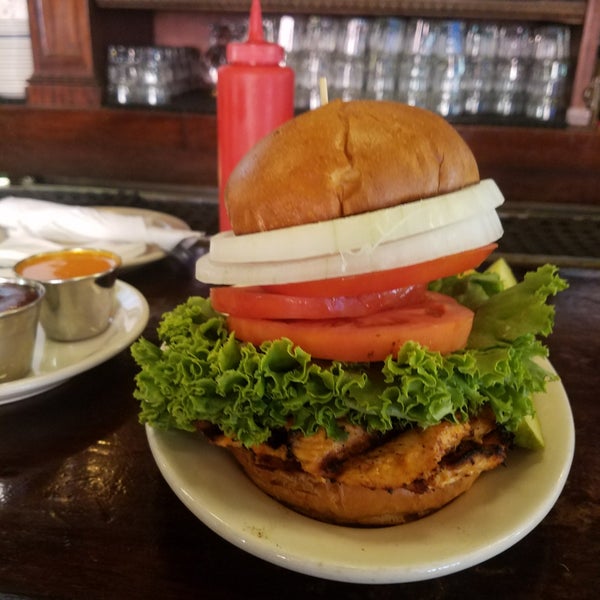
(417,460)
(322,456)
(470,458)
(404,459)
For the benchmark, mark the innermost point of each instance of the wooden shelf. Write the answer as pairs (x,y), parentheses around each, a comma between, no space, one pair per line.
(560,11)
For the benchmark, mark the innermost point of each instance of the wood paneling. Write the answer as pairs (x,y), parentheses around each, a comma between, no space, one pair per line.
(117,145)
(61,41)
(586,64)
(108,145)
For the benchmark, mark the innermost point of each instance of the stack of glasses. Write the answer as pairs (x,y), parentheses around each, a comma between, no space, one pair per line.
(448,66)
(151,75)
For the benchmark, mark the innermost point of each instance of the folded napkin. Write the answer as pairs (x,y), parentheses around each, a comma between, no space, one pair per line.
(28,226)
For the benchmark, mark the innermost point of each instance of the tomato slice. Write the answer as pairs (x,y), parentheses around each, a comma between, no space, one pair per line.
(437,322)
(256,303)
(378,281)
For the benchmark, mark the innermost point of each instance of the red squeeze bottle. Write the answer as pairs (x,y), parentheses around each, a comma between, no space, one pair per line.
(255,94)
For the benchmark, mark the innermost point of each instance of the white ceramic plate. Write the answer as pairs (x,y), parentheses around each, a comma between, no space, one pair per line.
(500,509)
(153,218)
(56,362)
(134,254)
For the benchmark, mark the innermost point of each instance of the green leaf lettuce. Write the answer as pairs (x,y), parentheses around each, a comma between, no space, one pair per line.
(200,372)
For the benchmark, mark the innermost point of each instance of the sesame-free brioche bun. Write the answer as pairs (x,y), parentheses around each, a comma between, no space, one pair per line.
(343,504)
(346,158)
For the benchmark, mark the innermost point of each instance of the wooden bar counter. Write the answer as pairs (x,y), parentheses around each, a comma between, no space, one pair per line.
(86,514)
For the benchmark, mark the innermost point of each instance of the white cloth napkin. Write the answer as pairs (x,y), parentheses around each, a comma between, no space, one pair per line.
(28,226)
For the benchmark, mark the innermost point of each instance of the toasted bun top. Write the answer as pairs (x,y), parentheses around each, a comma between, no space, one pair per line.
(346,158)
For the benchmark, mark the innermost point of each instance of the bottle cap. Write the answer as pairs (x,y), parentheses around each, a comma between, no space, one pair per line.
(255,51)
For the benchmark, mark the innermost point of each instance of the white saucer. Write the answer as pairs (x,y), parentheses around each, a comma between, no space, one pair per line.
(501,509)
(56,362)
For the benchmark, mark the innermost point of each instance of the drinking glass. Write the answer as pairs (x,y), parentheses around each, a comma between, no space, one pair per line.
(548,81)
(448,67)
(381,77)
(481,46)
(386,36)
(512,68)
(414,79)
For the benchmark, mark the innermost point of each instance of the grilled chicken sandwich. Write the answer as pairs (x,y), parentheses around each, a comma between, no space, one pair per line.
(350,357)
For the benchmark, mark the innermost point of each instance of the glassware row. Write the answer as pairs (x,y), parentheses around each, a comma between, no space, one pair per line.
(454,67)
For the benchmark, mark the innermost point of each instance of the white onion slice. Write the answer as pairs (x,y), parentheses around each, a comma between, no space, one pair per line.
(470,233)
(356,232)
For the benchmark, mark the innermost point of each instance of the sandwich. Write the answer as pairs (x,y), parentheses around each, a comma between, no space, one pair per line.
(353,354)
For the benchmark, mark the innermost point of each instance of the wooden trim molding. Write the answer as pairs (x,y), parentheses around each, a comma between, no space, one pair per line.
(562,11)
(64,71)
(579,113)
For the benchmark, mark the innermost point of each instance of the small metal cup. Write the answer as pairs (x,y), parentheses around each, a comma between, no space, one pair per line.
(18,329)
(78,307)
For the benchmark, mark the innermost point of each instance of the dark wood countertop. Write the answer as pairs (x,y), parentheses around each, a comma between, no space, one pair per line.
(85,513)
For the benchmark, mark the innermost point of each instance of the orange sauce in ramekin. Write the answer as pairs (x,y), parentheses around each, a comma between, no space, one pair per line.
(67,264)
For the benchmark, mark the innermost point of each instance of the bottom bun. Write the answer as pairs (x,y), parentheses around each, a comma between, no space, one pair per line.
(344,504)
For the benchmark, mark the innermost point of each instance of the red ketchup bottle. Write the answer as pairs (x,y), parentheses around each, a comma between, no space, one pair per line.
(255,94)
